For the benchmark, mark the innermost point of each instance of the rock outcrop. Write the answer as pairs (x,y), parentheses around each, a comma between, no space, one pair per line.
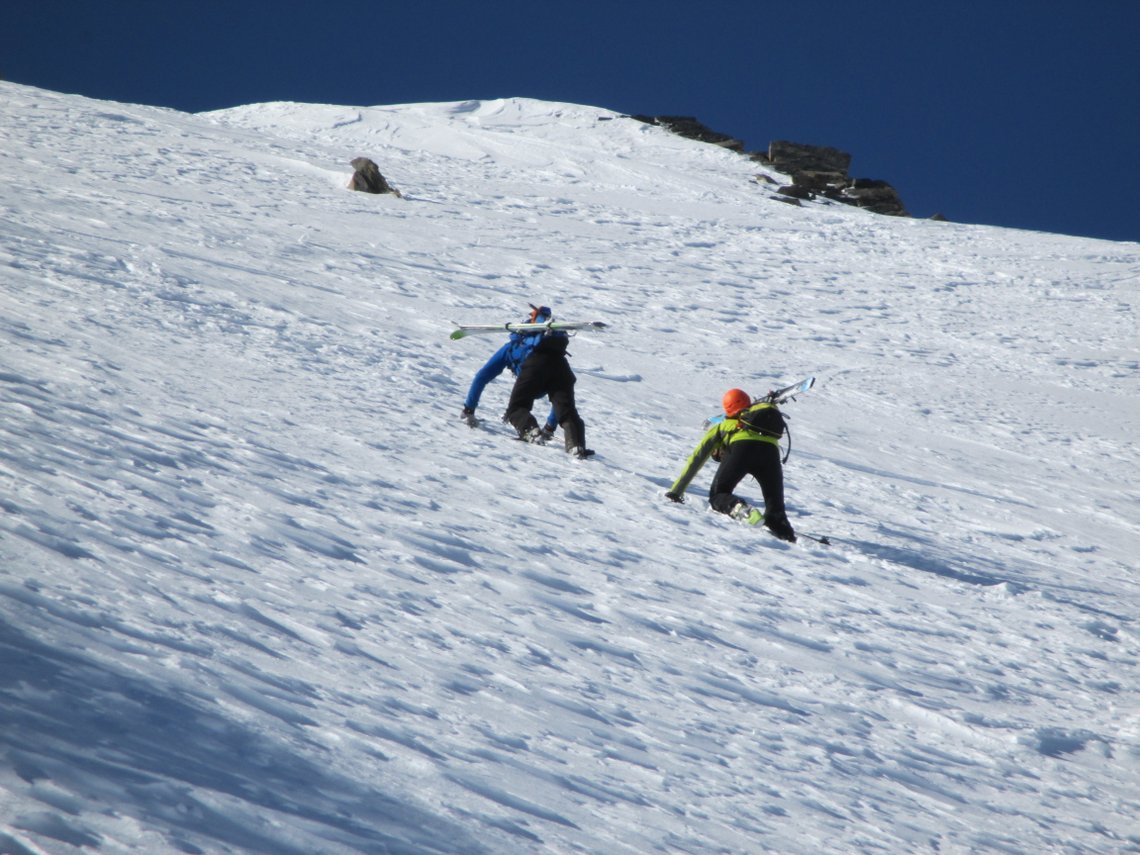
(820,170)
(815,170)
(690,128)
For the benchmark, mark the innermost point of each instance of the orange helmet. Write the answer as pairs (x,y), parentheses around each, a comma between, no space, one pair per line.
(734,401)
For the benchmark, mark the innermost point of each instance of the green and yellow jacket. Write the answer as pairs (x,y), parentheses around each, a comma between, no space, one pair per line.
(718,438)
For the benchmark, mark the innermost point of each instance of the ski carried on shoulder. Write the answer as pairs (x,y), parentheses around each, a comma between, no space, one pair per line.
(464,330)
(788,392)
(776,396)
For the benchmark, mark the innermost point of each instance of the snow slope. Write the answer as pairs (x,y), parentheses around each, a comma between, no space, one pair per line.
(262,592)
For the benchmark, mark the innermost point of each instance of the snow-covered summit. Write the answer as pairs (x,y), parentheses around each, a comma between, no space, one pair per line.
(263,592)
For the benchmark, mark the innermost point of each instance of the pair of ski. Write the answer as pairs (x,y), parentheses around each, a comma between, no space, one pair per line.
(776,396)
(464,330)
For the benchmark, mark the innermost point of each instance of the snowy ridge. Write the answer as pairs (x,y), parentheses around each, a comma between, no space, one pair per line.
(263,592)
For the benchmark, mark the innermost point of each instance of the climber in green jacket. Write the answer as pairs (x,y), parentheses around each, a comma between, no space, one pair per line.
(746,442)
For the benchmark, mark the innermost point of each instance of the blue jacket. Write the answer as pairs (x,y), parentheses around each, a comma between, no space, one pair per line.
(511,355)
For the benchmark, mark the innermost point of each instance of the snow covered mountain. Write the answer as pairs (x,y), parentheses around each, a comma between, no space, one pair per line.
(263,592)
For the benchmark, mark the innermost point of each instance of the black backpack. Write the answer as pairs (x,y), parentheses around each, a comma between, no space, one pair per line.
(765,420)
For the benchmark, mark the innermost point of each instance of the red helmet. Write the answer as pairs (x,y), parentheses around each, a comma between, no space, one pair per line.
(734,401)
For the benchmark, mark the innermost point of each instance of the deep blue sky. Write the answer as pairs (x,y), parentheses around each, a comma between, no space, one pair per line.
(1021,113)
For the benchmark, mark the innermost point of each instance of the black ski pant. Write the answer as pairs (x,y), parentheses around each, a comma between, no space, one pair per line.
(547,373)
(759,459)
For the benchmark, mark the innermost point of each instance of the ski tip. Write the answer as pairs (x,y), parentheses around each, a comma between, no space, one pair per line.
(457,334)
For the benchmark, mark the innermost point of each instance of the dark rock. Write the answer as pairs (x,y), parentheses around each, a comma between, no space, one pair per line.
(795,158)
(818,180)
(877,196)
(368,179)
(796,191)
(690,128)
(823,170)
(815,170)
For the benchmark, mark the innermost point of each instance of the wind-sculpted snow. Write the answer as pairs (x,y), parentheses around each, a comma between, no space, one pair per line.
(263,592)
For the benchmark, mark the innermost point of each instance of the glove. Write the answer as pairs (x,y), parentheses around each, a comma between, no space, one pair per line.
(675,497)
(468,416)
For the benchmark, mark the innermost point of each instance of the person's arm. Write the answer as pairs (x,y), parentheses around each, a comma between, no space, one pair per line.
(493,368)
(697,459)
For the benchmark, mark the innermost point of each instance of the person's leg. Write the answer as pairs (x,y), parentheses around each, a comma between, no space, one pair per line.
(529,386)
(561,388)
(733,467)
(767,469)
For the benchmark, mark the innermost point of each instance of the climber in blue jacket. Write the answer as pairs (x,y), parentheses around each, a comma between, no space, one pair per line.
(538,361)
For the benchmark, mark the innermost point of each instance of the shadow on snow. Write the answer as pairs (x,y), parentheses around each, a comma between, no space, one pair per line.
(78,732)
